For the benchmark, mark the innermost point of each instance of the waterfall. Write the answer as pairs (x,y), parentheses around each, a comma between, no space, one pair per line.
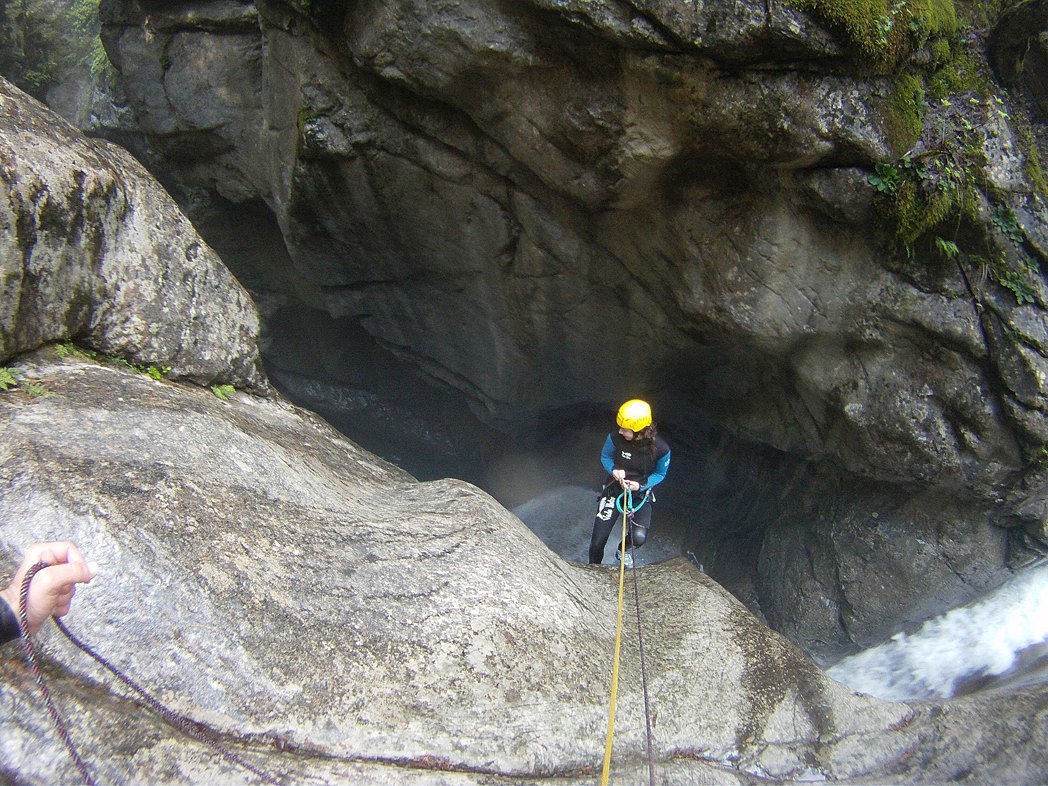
(1001,636)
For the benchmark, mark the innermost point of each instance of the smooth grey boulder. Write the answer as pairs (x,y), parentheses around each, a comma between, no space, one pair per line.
(93,249)
(335,621)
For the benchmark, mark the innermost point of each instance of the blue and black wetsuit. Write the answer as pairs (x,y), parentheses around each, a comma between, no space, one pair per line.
(643,464)
(9,627)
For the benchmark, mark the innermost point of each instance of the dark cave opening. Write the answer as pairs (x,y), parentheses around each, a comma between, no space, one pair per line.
(713,507)
(832,560)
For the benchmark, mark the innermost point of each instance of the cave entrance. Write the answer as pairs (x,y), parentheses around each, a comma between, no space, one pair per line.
(713,508)
(834,561)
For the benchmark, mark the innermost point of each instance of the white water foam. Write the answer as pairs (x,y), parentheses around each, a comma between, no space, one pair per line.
(978,642)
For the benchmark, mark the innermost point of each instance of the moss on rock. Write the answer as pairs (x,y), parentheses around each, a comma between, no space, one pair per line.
(884,32)
(905,112)
(1032,167)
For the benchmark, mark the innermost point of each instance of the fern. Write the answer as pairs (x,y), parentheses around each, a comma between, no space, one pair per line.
(1017,284)
(947,248)
(36,389)
(223,391)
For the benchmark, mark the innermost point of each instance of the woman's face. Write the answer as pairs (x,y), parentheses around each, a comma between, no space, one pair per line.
(627,433)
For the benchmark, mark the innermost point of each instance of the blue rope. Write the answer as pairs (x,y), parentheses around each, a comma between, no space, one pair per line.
(627,495)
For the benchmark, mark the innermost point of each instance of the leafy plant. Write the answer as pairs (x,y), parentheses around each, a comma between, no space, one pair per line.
(1005,220)
(885,178)
(66,349)
(947,248)
(35,389)
(31,388)
(223,391)
(69,349)
(1016,283)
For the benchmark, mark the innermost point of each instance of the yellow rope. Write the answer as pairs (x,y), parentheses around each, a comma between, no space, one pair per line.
(615,668)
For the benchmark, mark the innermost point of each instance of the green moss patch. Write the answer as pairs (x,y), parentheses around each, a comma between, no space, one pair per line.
(883,32)
(905,112)
(1032,167)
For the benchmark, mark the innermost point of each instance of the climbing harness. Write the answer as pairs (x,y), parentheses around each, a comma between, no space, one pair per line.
(194,729)
(627,511)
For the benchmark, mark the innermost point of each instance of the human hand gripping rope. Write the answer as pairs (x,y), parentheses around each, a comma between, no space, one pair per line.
(187,725)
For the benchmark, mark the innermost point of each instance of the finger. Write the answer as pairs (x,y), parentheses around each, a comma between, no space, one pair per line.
(68,552)
(63,577)
(53,553)
(62,607)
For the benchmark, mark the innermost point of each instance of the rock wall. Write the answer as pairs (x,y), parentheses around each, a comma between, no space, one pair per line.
(550,206)
(93,250)
(333,620)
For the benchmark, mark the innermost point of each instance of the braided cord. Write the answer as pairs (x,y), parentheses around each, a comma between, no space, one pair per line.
(624,504)
(643,669)
(190,727)
(38,675)
(609,740)
(187,725)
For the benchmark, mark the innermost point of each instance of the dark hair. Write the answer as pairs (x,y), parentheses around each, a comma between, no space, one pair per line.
(646,437)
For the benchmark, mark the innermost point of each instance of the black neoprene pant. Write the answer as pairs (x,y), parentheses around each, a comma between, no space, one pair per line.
(608,516)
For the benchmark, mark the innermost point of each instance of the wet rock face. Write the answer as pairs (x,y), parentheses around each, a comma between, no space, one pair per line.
(547,206)
(875,568)
(93,249)
(266,577)
(337,621)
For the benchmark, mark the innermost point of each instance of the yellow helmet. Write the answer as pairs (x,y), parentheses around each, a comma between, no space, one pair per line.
(634,415)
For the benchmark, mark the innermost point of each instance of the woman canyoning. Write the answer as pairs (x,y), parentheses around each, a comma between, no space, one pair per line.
(636,459)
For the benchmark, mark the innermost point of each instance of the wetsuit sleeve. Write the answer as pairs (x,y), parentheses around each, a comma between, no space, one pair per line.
(659,473)
(607,455)
(9,628)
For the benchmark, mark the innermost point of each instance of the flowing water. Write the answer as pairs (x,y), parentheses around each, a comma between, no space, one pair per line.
(1002,638)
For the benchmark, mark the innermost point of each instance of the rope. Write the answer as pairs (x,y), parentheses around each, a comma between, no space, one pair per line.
(38,675)
(643,671)
(624,501)
(615,668)
(196,730)
(627,511)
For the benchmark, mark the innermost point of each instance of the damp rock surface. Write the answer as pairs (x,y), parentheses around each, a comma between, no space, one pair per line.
(335,620)
(545,207)
(92,249)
